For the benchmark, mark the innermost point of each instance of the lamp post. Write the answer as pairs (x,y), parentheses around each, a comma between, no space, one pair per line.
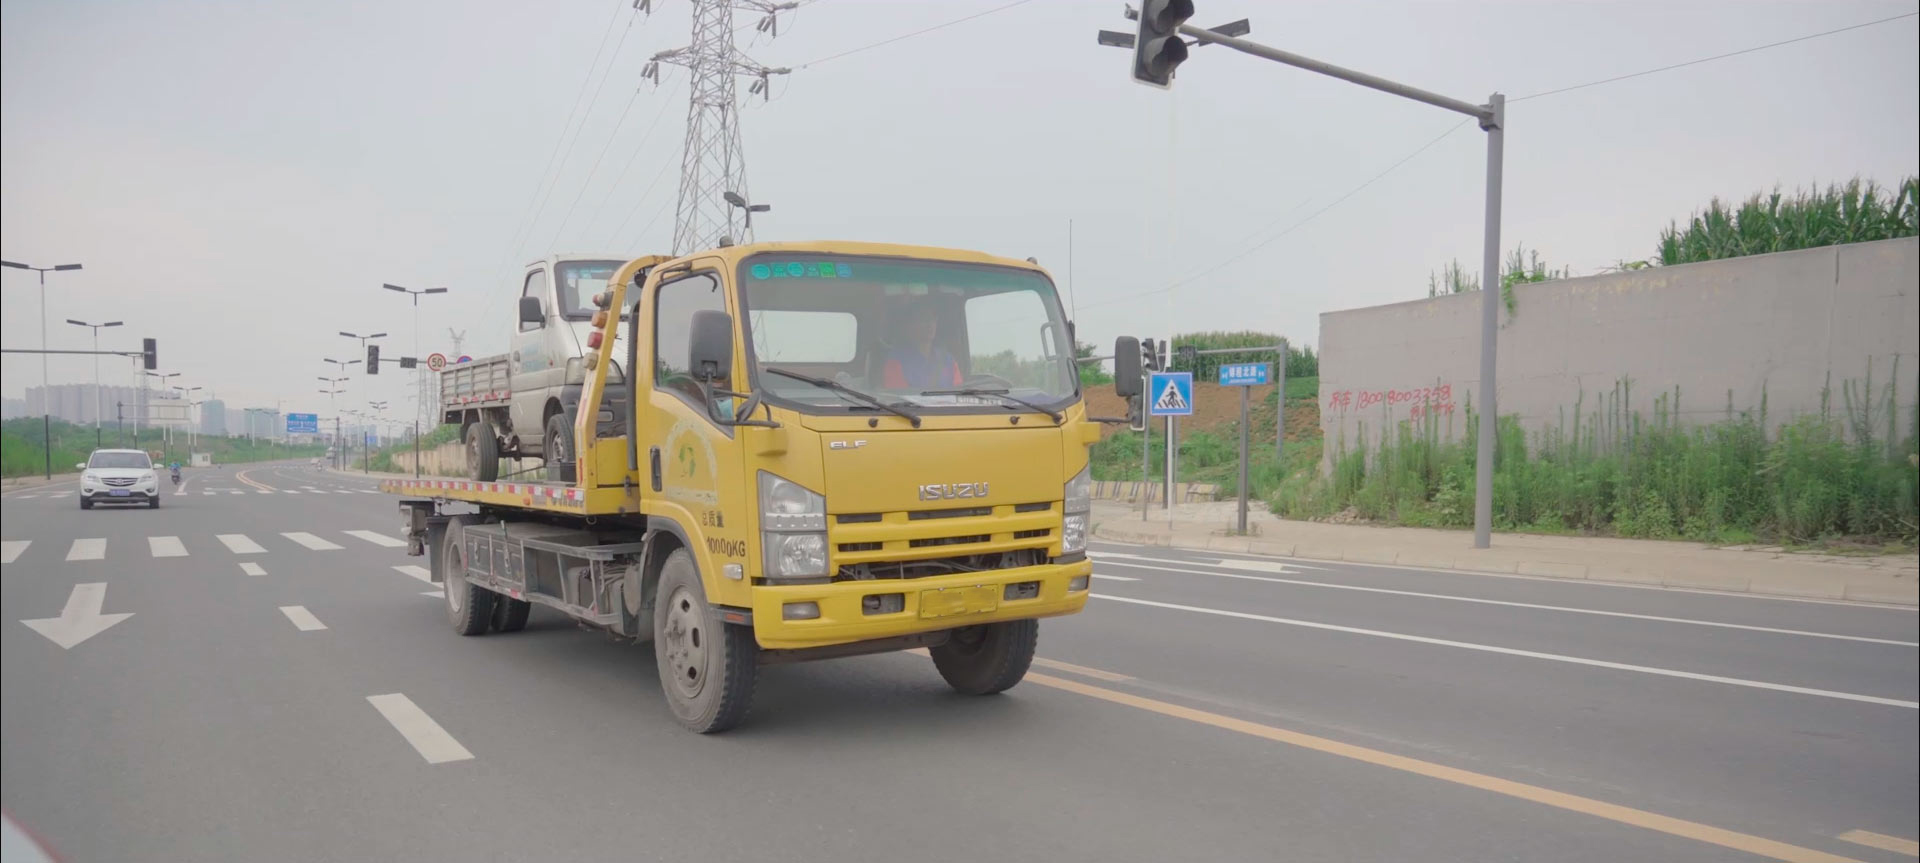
(163,376)
(193,422)
(99,400)
(46,393)
(419,370)
(334,389)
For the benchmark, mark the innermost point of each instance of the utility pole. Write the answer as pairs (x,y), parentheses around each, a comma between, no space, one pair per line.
(419,372)
(712,162)
(46,392)
(99,398)
(1159,49)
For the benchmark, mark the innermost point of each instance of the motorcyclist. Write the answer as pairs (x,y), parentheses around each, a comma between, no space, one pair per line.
(175,468)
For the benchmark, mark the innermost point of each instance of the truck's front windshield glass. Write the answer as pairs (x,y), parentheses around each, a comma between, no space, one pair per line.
(912,332)
(580,280)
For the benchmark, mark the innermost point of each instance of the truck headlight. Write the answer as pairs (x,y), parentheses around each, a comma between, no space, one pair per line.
(1077,500)
(793,529)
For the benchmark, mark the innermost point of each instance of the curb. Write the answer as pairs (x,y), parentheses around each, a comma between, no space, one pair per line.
(1907,594)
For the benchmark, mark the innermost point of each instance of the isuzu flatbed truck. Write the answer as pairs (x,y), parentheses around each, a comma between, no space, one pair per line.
(827,449)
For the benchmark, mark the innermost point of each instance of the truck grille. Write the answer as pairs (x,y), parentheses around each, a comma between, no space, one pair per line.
(920,543)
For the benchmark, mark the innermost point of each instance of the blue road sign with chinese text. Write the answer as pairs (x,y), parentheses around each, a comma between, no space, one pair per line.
(303,423)
(1245,374)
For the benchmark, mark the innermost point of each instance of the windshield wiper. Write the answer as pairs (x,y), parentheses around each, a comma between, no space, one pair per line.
(836,386)
(1057,417)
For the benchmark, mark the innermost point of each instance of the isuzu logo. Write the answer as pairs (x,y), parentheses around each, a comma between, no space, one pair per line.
(952,490)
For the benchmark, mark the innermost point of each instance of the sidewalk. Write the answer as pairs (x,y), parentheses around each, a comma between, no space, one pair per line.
(1208,526)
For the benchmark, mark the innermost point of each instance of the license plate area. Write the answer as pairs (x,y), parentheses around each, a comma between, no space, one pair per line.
(119,492)
(951,601)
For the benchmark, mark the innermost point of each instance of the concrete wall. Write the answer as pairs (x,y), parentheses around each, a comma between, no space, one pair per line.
(1784,322)
(450,459)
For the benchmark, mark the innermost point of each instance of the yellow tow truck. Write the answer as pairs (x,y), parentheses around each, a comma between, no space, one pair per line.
(834,449)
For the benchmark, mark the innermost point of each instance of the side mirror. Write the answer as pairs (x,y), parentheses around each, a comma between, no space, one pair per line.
(1126,367)
(531,312)
(710,346)
(80,466)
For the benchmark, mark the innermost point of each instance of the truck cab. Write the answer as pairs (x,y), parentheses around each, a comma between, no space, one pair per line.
(544,359)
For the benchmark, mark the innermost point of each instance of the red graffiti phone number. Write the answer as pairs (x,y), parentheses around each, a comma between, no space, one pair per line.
(1437,399)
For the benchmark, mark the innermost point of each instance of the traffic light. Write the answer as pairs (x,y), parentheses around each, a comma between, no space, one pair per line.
(150,353)
(1149,356)
(1157,47)
(373,359)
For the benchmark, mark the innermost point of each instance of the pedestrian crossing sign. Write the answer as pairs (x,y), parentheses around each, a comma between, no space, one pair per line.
(1172,394)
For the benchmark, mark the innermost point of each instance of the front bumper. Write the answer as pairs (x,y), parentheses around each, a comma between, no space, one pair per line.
(948,603)
(105,494)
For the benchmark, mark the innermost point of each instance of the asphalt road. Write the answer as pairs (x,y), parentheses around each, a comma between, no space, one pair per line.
(308,701)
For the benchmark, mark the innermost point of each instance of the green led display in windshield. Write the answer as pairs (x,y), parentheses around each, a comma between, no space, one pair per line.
(802,270)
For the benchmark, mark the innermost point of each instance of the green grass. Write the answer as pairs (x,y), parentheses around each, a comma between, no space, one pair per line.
(1818,480)
(383,458)
(23,449)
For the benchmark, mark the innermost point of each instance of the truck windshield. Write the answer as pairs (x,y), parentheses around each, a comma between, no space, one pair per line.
(912,332)
(580,280)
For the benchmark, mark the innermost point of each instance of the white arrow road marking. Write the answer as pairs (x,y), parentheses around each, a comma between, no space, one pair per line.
(377,538)
(87,549)
(252,569)
(166,546)
(81,619)
(11,549)
(310,541)
(303,619)
(428,738)
(238,543)
(419,572)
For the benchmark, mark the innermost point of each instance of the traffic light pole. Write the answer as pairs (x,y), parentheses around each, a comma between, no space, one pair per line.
(1492,118)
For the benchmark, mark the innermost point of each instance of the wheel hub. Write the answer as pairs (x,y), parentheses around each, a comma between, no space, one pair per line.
(684,639)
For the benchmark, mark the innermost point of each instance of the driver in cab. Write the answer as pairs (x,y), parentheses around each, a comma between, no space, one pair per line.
(916,361)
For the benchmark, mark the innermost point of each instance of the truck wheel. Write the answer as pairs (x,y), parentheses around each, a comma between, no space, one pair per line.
(469,606)
(483,452)
(509,614)
(557,449)
(983,660)
(707,668)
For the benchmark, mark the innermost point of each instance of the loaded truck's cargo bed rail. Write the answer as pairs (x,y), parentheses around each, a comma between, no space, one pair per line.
(544,496)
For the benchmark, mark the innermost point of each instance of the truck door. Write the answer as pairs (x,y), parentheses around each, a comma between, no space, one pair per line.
(690,463)
(532,364)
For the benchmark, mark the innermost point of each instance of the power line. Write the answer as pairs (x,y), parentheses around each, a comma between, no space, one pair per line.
(540,183)
(1711,59)
(652,126)
(519,249)
(1295,226)
(665,165)
(922,32)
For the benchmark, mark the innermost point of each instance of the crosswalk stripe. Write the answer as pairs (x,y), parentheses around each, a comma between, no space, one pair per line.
(263,491)
(310,541)
(419,572)
(377,538)
(11,549)
(251,568)
(426,736)
(166,546)
(288,491)
(239,543)
(207,493)
(303,619)
(87,549)
(369,491)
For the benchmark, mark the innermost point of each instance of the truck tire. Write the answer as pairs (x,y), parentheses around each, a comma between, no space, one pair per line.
(556,450)
(483,452)
(985,659)
(509,614)
(707,668)
(469,606)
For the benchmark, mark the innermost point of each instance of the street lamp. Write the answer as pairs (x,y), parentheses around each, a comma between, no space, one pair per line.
(419,371)
(737,200)
(334,389)
(99,400)
(46,392)
(341,366)
(193,420)
(167,433)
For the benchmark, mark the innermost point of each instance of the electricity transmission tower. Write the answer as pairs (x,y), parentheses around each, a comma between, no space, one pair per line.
(459,342)
(711,162)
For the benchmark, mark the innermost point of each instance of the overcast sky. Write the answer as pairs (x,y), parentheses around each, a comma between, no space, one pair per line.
(239,178)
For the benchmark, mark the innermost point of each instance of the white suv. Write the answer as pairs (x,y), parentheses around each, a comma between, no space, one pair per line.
(119,476)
